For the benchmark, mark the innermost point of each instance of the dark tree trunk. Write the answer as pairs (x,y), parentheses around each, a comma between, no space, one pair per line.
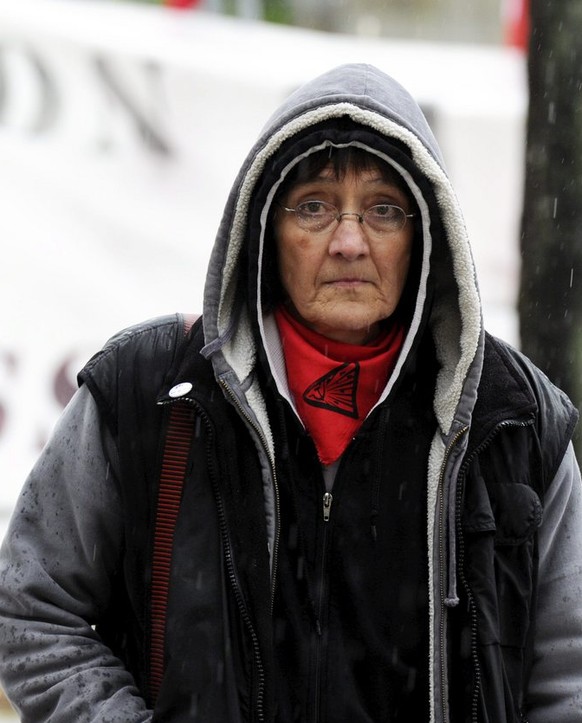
(550,302)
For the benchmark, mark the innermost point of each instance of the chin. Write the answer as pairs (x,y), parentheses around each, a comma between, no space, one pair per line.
(354,331)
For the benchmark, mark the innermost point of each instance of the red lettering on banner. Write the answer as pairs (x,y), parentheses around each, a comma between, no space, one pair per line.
(9,366)
(64,384)
(60,387)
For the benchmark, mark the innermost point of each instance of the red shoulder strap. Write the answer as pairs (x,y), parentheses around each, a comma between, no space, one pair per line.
(173,471)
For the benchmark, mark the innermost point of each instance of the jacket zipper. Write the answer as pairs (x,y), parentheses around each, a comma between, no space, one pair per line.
(261,436)
(462,472)
(327,500)
(442,573)
(326,509)
(230,567)
(265,446)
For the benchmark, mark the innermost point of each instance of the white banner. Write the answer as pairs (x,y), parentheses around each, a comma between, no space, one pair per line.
(121,130)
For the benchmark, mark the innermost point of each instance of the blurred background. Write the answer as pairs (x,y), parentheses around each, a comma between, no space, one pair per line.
(123,124)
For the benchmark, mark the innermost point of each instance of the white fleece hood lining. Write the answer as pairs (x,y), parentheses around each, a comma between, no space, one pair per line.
(455,355)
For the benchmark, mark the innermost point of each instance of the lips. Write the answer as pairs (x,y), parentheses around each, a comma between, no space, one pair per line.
(347,281)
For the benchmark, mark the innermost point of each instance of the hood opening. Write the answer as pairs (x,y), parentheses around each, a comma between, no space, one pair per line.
(260,275)
(264,290)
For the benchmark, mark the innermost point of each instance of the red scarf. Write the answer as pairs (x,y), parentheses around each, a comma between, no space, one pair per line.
(335,385)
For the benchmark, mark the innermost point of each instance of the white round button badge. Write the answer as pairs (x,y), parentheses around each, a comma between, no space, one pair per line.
(180,390)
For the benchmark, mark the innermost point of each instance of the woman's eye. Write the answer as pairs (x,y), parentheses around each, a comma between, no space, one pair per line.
(383,209)
(313,208)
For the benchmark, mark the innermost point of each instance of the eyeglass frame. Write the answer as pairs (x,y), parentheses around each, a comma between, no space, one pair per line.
(361,217)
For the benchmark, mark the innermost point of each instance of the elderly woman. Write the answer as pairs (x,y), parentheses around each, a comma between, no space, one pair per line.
(370,509)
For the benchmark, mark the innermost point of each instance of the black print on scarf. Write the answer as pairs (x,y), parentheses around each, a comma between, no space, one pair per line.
(336,391)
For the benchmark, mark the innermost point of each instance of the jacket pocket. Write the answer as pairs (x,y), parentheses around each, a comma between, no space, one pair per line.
(518,514)
(499,523)
(517,511)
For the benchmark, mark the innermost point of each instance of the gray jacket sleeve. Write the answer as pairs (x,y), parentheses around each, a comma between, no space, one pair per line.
(555,691)
(56,564)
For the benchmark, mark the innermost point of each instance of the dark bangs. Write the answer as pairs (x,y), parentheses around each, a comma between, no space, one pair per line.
(341,160)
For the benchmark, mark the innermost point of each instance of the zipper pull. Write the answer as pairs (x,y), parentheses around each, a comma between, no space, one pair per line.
(327,500)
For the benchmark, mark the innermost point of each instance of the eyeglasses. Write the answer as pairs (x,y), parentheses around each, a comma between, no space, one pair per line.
(384,218)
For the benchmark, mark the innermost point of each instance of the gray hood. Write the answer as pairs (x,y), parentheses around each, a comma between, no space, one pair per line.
(379,104)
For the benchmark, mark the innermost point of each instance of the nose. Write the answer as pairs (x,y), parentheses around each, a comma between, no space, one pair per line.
(349,237)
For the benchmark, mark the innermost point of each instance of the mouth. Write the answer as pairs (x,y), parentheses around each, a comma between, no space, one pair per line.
(347,282)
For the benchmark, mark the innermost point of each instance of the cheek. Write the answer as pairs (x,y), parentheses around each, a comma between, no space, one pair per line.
(295,262)
(395,270)
(296,278)
(287,267)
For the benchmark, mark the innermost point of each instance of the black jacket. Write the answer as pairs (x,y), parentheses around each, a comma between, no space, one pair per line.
(221,590)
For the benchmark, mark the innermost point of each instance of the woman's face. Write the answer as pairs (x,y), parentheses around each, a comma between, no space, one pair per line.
(343,281)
